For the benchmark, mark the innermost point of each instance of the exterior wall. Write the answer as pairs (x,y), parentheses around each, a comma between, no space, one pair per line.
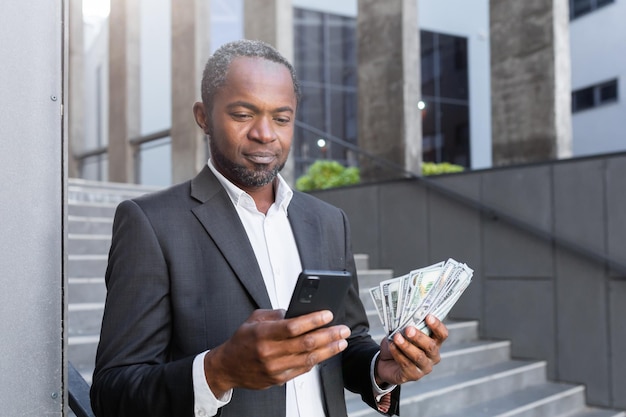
(470,20)
(33,169)
(596,39)
(552,303)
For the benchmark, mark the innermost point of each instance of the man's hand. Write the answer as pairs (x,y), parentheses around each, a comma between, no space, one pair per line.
(268,350)
(411,355)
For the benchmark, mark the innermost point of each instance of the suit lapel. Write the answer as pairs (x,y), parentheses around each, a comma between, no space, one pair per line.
(221,222)
(306,231)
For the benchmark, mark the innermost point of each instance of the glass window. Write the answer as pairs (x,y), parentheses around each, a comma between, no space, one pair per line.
(95,168)
(445,91)
(608,92)
(579,8)
(595,95)
(325,60)
(583,99)
(154,163)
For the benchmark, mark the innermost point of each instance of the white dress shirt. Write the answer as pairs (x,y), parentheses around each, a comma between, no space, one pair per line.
(276,252)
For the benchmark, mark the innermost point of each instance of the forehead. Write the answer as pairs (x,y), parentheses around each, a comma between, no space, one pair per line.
(258,76)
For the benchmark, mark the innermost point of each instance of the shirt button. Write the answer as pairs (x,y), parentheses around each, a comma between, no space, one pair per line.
(201,412)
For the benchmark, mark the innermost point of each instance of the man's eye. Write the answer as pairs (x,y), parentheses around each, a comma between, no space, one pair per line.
(241,116)
(282,120)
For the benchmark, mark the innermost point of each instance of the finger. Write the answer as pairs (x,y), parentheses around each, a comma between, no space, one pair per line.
(439,330)
(426,345)
(413,360)
(308,322)
(306,359)
(301,354)
(332,338)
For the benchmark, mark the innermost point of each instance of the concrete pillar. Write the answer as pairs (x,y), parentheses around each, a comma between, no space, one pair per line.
(530,81)
(190,50)
(124,84)
(389,86)
(33,149)
(271,21)
(76,88)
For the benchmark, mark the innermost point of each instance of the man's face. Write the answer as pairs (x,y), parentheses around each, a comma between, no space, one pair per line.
(252,120)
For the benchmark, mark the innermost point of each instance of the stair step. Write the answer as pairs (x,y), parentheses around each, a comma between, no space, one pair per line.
(373,277)
(84,318)
(104,192)
(596,412)
(81,266)
(86,225)
(433,395)
(87,209)
(461,357)
(88,244)
(461,331)
(82,353)
(548,399)
(86,290)
(362,262)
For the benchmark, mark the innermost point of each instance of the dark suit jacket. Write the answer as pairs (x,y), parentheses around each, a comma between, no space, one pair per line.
(182,277)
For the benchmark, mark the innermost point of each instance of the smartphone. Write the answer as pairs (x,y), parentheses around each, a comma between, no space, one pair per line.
(319,290)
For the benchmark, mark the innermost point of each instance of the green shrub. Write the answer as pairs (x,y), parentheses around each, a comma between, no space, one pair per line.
(326,174)
(431,168)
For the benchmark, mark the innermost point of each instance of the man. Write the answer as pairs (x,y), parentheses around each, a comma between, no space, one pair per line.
(199,276)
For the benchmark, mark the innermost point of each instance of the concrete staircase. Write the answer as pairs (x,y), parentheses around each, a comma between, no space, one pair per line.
(475,377)
(91,206)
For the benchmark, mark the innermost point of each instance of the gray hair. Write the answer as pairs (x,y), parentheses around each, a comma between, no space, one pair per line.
(214,75)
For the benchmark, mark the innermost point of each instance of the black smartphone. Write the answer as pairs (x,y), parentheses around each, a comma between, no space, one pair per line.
(319,290)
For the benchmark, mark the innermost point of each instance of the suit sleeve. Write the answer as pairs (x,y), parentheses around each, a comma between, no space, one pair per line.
(134,375)
(357,358)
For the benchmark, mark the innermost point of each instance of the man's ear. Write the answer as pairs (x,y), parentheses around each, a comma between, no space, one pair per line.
(199,113)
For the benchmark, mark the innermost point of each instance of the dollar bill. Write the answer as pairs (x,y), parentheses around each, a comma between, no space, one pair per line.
(407,300)
(378,302)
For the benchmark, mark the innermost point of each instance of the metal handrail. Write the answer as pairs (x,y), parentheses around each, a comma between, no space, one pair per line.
(78,393)
(79,156)
(489,211)
(140,140)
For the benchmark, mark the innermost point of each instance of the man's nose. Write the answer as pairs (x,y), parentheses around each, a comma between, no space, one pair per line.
(262,130)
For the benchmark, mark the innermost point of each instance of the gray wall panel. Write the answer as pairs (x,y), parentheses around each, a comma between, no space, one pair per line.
(525,193)
(404,227)
(616,208)
(522,311)
(362,209)
(618,342)
(579,203)
(582,296)
(31,166)
(456,232)
(511,253)
(467,185)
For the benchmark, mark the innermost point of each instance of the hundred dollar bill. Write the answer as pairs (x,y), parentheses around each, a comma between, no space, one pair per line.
(429,301)
(407,300)
(391,290)
(419,283)
(378,302)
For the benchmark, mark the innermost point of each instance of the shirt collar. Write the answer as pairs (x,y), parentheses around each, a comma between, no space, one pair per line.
(239,197)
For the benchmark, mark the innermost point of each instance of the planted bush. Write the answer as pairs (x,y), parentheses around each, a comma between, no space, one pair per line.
(326,174)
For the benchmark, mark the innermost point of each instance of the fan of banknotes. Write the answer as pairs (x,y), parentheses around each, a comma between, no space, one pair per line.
(407,300)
